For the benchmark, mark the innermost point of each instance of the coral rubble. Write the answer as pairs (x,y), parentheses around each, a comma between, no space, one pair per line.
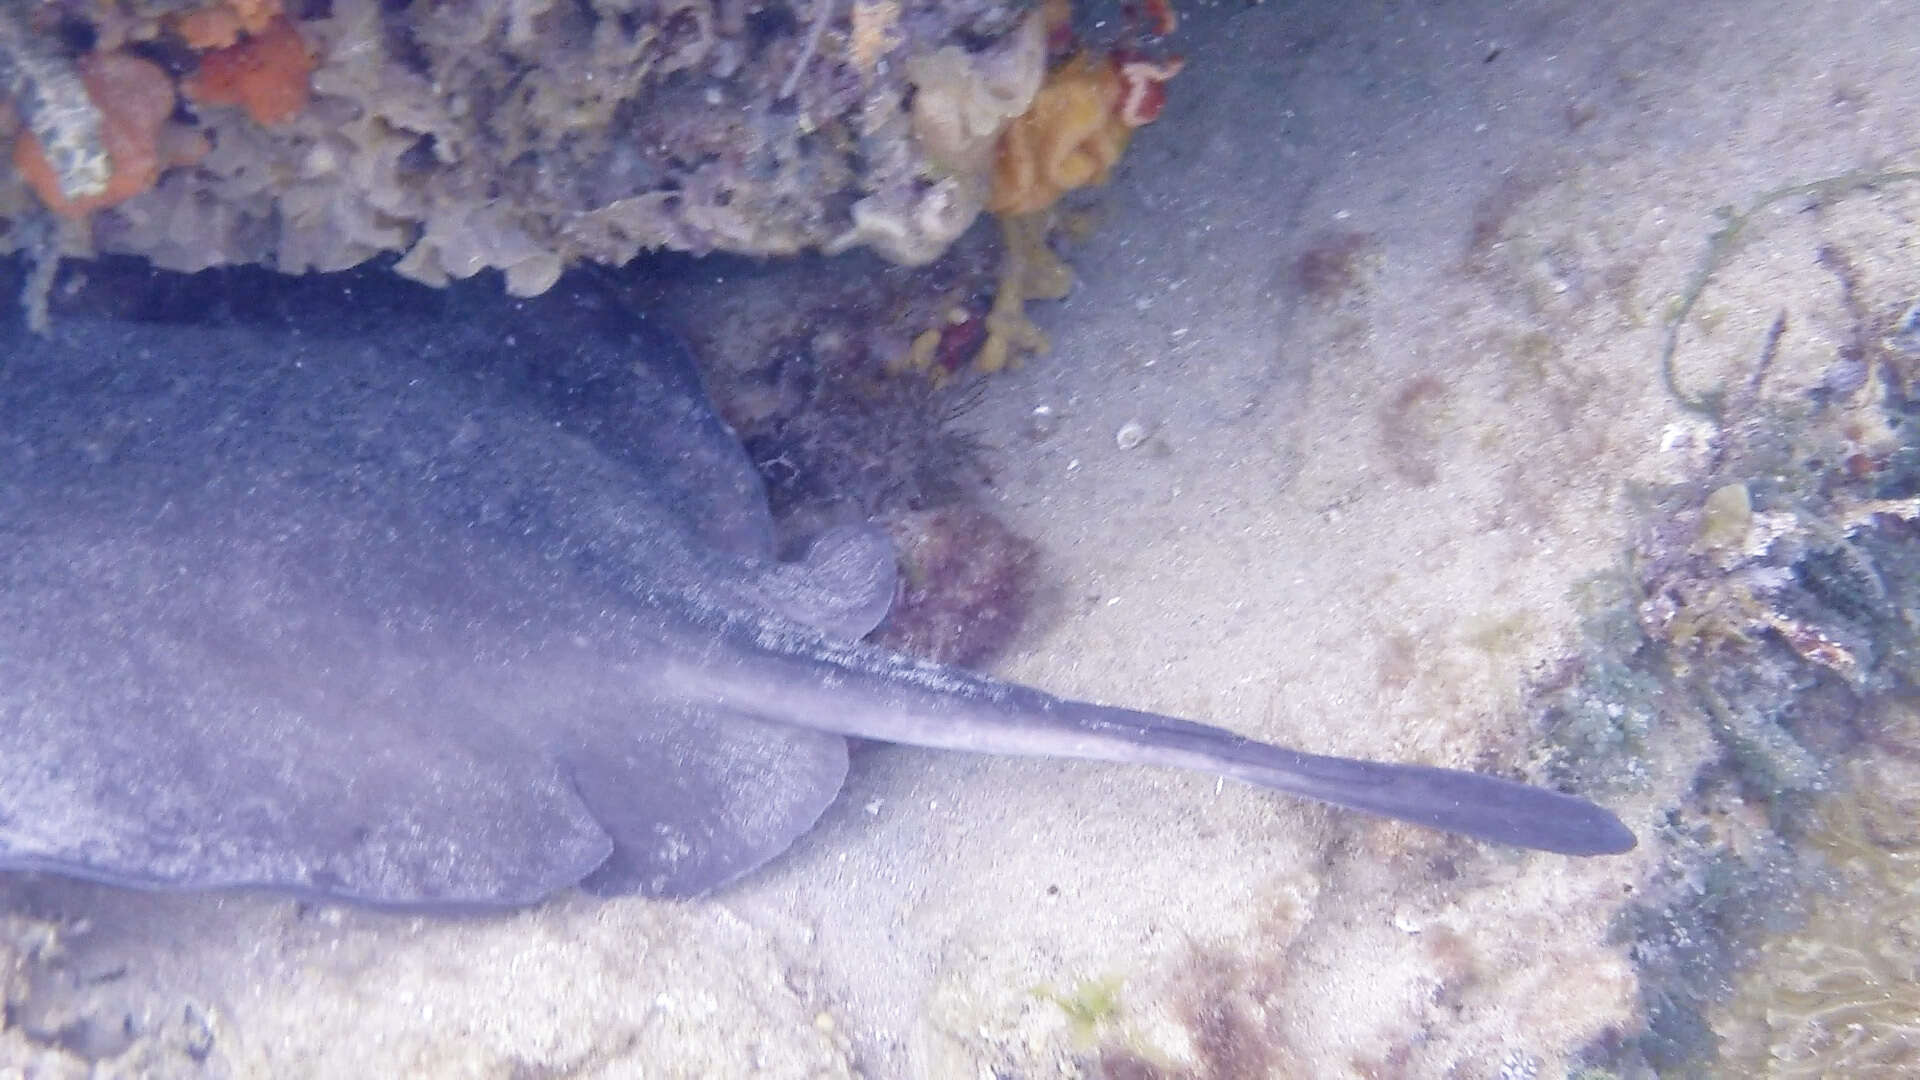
(1764,637)
(49,94)
(135,101)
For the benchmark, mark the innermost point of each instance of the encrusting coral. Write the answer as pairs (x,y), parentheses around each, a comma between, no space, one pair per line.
(526,136)
(962,104)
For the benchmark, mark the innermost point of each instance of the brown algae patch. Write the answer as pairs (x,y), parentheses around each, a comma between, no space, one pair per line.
(1840,995)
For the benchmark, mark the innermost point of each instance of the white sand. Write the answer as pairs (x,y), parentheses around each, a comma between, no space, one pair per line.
(1354,528)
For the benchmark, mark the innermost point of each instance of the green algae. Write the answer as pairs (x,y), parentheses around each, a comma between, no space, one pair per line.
(1733,223)
(1727,520)
(1090,1006)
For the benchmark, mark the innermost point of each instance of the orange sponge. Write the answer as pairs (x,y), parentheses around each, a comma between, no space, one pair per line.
(1069,137)
(134,97)
(264,73)
(220,24)
(1076,128)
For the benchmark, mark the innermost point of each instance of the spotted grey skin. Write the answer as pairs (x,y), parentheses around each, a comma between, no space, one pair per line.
(459,607)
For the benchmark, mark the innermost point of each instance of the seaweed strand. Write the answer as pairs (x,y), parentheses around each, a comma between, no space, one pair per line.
(1710,403)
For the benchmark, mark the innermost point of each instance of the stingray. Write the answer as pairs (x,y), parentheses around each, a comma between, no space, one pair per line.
(464,605)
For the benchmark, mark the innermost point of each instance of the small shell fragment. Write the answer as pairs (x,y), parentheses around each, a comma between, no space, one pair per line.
(1042,422)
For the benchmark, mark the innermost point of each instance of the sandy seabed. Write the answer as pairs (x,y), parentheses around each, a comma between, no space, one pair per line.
(1384,291)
